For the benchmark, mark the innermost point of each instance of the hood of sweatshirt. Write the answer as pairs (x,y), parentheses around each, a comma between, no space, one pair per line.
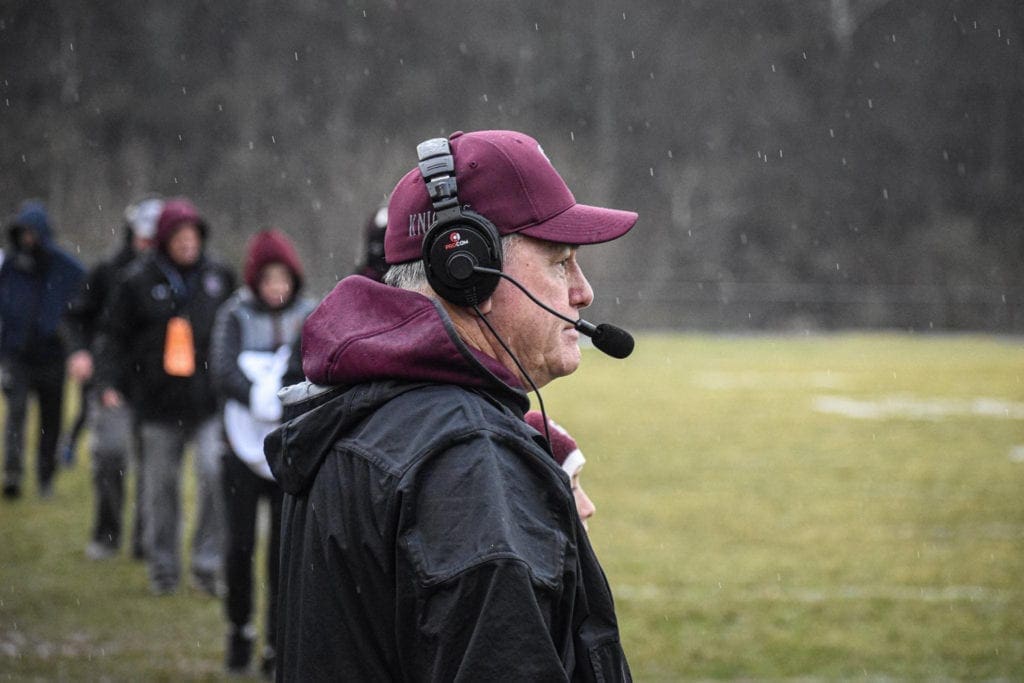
(271,246)
(365,331)
(365,344)
(174,214)
(32,216)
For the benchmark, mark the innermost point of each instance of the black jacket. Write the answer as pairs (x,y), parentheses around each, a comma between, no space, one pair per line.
(130,348)
(85,310)
(427,533)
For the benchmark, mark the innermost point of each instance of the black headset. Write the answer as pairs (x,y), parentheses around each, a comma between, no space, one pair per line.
(459,240)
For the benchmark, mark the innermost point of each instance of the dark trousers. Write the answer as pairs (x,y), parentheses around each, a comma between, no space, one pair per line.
(71,436)
(243,489)
(46,381)
(114,442)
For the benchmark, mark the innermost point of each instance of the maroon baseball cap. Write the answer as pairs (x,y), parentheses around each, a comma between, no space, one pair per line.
(505,176)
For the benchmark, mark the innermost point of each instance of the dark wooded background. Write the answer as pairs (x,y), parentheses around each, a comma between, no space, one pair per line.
(797,165)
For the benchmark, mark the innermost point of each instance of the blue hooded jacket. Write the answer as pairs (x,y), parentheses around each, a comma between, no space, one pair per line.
(35,289)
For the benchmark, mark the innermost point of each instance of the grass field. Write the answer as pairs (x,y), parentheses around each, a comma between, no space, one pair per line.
(769,508)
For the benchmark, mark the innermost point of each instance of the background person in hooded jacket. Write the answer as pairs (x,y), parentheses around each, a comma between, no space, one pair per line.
(253,338)
(112,428)
(373,264)
(37,280)
(569,457)
(156,338)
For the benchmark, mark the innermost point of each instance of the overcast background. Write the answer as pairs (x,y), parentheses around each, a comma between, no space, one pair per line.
(797,164)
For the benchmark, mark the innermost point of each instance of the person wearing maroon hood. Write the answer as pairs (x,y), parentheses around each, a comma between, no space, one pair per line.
(427,532)
(252,343)
(568,456)
(154,341)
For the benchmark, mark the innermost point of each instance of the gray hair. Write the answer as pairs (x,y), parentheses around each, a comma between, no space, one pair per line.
(413,275)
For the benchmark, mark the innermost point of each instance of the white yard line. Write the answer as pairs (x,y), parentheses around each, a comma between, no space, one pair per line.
(654,593)
(914,408)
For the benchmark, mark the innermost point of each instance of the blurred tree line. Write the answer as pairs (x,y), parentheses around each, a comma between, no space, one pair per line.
(796,163)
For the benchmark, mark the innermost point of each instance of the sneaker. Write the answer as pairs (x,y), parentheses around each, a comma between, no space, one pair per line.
(239,649)
(269,663)
(208,583)
(12,490)
(46,490)
(97,551)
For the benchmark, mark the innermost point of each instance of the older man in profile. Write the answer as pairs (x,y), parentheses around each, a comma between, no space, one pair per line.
(427,532)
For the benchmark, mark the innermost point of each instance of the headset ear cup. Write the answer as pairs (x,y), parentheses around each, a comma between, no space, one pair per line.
(452,248)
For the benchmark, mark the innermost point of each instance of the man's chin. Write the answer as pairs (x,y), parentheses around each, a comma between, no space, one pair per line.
(571,363)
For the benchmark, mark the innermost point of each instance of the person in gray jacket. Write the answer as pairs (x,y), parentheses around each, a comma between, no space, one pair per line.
(252,339)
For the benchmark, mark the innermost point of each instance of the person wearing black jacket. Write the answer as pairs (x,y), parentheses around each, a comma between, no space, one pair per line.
(158,326)
(111,428)
(427,532)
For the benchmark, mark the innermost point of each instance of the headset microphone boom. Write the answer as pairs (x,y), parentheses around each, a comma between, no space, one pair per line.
(614,341)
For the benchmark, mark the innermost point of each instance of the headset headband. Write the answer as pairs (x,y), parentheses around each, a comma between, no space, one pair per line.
(459,241)
(437,166)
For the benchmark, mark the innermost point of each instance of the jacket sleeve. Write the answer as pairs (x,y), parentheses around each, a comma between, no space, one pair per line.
(111,346)
(225,344)
(83,314)
(491,594)
(67,282)
(4,288)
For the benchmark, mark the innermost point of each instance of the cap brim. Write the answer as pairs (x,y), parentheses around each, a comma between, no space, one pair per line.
(583,224)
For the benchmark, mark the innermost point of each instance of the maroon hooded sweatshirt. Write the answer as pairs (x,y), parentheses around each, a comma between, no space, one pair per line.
(427,533)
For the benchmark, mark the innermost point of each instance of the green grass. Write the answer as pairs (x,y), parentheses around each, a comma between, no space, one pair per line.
(63,617)
(746,535)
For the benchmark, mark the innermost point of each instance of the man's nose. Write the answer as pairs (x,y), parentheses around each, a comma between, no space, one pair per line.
(581,293)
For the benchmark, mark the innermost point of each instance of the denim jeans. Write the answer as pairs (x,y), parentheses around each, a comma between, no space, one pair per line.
(164,445)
